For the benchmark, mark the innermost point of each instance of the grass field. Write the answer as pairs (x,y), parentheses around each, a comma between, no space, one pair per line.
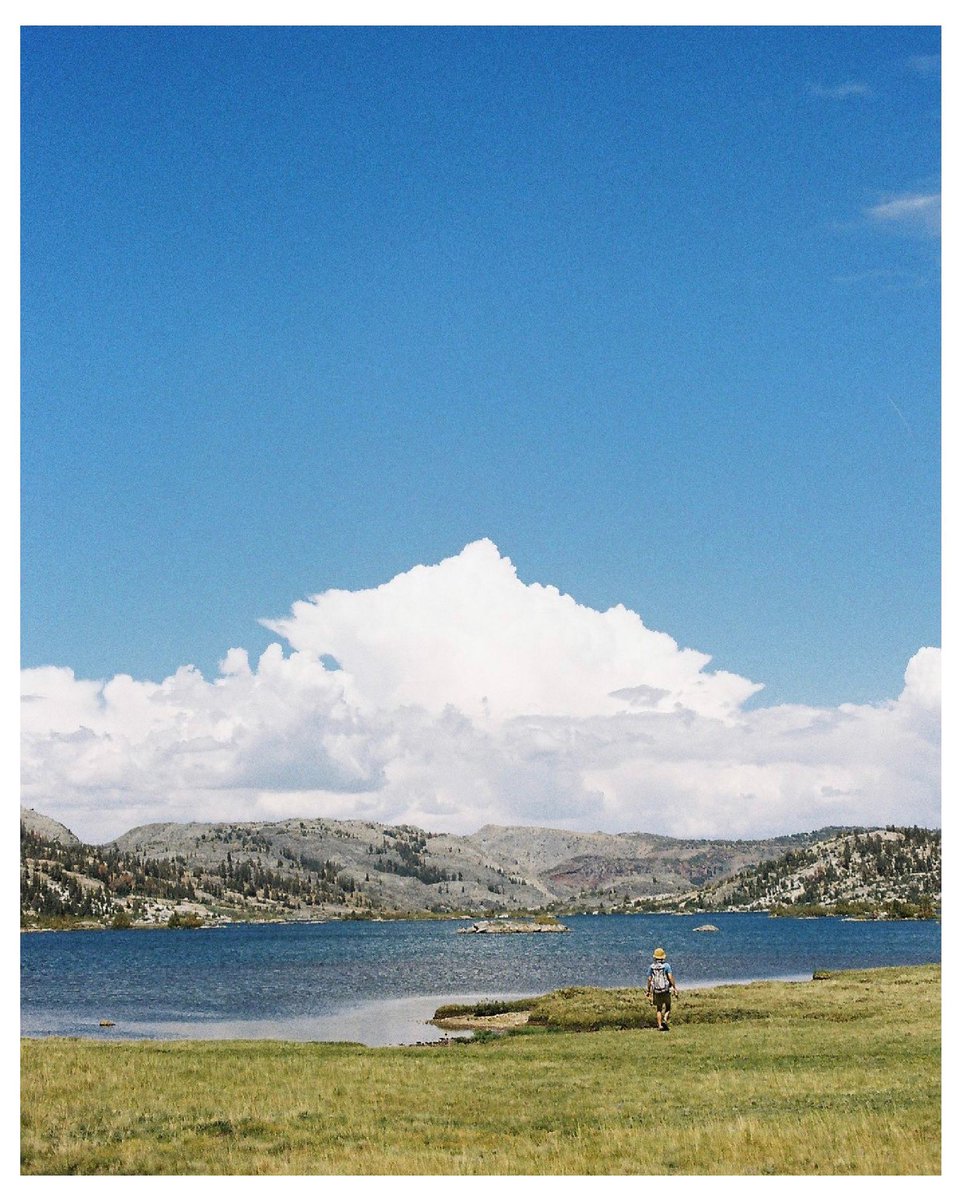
(837,1076)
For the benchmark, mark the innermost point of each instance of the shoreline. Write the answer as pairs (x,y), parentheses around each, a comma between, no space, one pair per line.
(370,1018)
(394,919)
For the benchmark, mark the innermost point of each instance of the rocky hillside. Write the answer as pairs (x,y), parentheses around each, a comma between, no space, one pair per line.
(619,868)
(895,871)
(47,828)
(307,869)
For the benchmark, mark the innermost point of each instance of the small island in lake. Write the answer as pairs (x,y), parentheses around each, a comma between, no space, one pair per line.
(533,926)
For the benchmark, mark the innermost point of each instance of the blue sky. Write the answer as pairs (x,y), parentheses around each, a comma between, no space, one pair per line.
(654,310)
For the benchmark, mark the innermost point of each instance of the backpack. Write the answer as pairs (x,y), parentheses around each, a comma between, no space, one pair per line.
(659,977)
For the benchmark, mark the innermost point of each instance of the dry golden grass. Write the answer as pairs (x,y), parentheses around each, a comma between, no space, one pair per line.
(838,1076)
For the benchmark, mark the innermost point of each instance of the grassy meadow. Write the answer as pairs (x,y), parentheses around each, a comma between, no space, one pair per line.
(838,1075)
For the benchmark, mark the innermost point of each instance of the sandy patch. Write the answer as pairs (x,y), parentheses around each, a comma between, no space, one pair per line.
(508,1020)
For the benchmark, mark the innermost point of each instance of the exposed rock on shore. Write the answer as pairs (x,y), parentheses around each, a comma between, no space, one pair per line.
(495,1021)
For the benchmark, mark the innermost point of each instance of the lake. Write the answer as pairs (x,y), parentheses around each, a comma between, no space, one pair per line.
(379,982)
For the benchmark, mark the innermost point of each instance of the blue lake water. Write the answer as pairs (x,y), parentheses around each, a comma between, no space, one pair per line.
(379,982)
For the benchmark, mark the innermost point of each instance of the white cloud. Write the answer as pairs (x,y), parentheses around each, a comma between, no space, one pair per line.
(925,64)
(469,633)
(466,696)
(917,212)
(839,91)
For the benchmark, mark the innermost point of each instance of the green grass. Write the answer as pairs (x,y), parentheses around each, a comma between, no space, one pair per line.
(484,1008)
(837,1075)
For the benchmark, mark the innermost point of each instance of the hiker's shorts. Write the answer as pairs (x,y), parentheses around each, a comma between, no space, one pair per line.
(662,1001)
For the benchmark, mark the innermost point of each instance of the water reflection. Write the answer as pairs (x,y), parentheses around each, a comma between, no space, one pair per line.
(395,1022)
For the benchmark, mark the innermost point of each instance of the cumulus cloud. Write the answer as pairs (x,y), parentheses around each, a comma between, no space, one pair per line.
(469,633)
(917,212)
(456,694)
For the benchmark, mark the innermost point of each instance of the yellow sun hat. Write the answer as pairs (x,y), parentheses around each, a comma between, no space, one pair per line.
(659,953)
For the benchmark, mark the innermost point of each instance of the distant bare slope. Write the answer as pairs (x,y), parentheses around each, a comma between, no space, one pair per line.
(47,827)
(569,864)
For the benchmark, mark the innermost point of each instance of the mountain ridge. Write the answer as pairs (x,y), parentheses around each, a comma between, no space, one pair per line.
(317,868)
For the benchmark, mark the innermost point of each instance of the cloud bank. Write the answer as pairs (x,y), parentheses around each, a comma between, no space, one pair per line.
(455,695)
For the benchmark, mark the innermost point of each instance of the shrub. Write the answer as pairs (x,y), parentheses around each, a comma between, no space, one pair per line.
(184,921)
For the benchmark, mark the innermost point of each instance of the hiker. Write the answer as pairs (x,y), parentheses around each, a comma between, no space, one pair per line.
(661,986)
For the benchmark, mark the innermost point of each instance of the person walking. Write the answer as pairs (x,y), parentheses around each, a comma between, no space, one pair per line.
(661,988)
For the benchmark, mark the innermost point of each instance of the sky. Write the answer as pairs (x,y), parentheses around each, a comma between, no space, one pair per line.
(532,425)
